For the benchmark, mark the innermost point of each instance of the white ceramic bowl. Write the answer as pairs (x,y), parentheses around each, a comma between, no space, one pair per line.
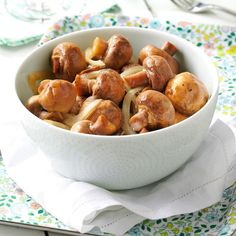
(120,162)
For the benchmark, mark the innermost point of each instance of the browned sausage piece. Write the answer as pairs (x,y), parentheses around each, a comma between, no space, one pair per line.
(169,48)
(134,75)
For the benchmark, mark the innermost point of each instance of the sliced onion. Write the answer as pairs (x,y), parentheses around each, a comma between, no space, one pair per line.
(57,124)
(70,119)
(132,70)
(130,96)
(88,58)
(91,75)
(86,111)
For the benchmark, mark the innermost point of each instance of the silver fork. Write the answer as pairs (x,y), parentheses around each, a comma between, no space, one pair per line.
(196,7)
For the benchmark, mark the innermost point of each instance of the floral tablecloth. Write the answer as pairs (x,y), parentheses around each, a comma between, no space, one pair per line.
(219,42)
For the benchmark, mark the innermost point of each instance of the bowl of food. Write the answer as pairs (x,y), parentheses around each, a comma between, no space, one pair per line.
(117,107)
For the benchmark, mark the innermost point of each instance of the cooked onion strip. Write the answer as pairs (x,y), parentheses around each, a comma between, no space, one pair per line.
(70,119)
(129,97)
(85,112)
(131,70)
(90,75)
(88,58)
(36,77)
(57,124)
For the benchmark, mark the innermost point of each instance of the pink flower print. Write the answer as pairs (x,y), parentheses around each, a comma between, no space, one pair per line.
(56,26)
(144,21)
(35,205)
(86,17)
(3,210)
(208,47)
(184,23)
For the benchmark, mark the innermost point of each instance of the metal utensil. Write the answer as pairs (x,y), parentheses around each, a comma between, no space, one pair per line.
(196,7)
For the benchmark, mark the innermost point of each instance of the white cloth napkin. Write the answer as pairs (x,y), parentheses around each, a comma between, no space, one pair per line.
(196,185)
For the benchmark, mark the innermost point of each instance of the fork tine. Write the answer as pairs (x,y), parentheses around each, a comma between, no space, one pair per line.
(185,4)
(192,3)
(195,6)
(176,2)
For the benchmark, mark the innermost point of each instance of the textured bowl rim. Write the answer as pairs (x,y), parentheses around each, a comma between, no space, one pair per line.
(207,59)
